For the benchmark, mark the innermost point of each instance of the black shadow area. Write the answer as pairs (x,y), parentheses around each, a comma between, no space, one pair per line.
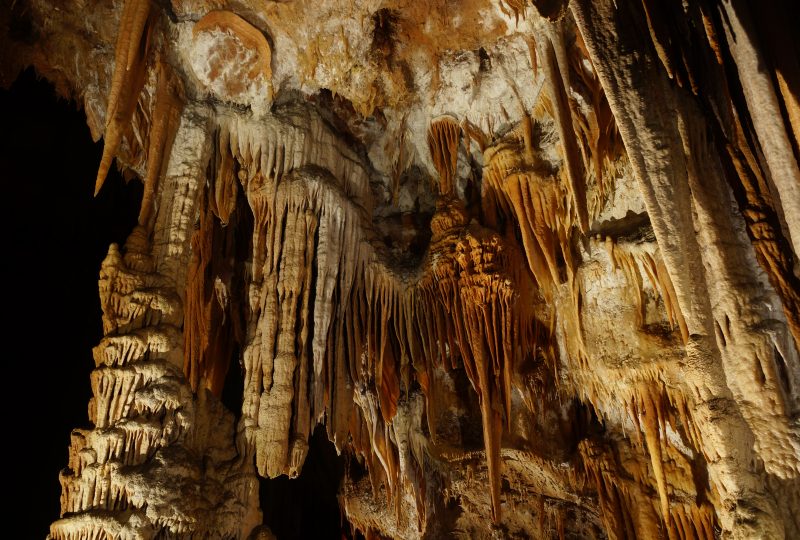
(306,506)
(55,234)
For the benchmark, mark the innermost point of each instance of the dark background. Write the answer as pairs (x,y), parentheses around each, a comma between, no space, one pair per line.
(56,236)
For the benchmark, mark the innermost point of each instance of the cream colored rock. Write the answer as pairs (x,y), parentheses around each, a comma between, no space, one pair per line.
(232,59)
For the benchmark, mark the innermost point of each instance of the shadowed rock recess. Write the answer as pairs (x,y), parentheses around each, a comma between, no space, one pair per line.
(529,266)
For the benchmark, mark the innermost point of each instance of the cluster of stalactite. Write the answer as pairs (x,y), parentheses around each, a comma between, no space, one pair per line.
(330,324)
(722,126)
(754,120)
(286,272)
(683,507)
(521,194)
(149,135)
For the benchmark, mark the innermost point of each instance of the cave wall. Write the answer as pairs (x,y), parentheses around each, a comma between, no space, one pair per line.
(532,266)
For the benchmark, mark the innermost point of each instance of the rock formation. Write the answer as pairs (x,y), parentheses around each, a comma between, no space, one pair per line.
(533,265)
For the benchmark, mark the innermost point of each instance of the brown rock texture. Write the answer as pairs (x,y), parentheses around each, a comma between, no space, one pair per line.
(533,265)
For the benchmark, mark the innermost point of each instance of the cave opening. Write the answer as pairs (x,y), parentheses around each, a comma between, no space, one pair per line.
(307,506)
(59,234)
(240,230)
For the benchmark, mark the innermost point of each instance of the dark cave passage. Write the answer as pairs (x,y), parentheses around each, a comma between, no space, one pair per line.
(307,507)
(59,236)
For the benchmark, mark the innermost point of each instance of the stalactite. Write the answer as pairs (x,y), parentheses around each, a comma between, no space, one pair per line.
(198,303)
(595,128)
(746,171)
(444,136)
(163,126)
(557,77)
(492,322)
(774,34)
(666,188)
(540,209)
(621,496)
(636,262)
(129,74)
(651,420)
(375,329)
(764,109)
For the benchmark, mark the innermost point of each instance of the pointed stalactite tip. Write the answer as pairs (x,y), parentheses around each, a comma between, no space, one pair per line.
(101,179)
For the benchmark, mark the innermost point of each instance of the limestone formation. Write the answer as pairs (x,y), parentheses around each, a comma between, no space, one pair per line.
(533,265)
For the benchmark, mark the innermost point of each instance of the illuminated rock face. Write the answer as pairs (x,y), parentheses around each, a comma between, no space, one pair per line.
(533,266)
